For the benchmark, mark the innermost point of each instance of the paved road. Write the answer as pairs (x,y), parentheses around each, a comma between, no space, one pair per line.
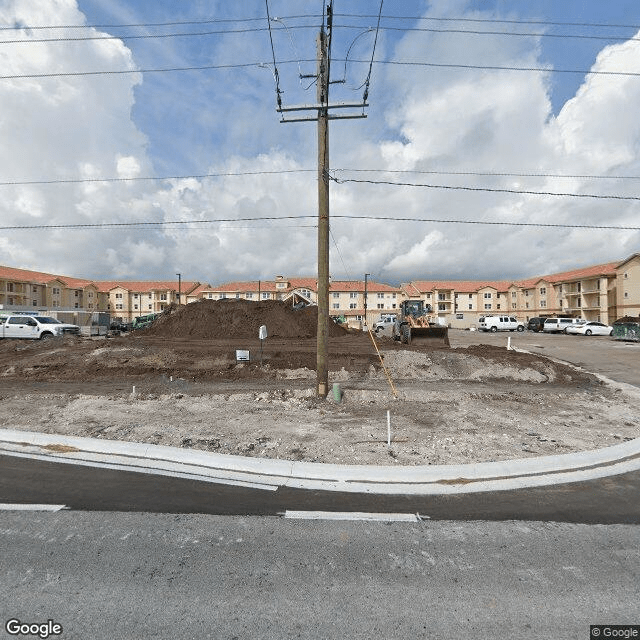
(600,354)
(121,576)
(605,500)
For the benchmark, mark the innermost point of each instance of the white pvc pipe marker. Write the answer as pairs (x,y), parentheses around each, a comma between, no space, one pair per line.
(388,428)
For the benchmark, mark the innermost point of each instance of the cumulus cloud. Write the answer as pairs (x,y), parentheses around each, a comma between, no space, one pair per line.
(441,122)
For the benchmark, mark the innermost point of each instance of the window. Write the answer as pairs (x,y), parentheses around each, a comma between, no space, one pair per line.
(513,294)
(56,291)
(441,307)
(336,305)
(428,296)
(150,307)
(380,296)
(487,296)
(498,306)
(35,303)
(135,306)
(249,296)
(281,285)
(513,305)
(526,293)
(90,295)
(470,306)
(442,296)
(265,296)
(119,306)
(543,304)
(34,289)
(10,288)
(543,291)
(222,296)
(118,296)
(471,296)
(560,303)
(526,305)
(487,306)
(626,275)
(352,305)
(353,294)
(237,296)
(626,294)
(459,316)
(211,296)
(75,293)
(163,296)
(335,295)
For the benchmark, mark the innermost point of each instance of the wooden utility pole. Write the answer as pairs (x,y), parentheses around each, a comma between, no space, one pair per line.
(322,364)
(322,108)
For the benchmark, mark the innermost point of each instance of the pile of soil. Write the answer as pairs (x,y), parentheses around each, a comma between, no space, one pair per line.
(209,319)
(627,320)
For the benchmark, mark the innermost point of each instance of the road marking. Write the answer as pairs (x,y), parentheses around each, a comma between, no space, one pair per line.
(352,515)
(31,507)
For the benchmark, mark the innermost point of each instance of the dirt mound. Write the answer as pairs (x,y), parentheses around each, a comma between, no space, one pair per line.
(239,319)
(627,320)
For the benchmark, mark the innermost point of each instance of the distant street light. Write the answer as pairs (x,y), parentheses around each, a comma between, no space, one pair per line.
(179,287)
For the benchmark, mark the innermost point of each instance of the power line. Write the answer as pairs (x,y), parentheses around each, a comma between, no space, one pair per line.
(201,176)
(497,21)
(15,183)
(188,34)
(488,189)
(246,65)
(183,223)
(314,16)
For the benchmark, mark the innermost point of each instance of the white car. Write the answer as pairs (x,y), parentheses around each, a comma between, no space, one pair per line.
(590,329)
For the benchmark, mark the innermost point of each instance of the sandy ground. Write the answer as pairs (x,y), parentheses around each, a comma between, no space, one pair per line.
(456,405)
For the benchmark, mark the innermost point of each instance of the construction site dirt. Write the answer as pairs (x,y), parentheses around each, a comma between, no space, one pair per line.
(180,384)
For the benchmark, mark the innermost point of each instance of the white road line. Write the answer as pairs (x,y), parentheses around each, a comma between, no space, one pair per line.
(31,507)
(352,515)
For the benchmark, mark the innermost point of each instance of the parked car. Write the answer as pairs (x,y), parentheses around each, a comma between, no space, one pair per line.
(384,321)
(558,325)
(26,326)
(535,324)
(499,323)
(590,329)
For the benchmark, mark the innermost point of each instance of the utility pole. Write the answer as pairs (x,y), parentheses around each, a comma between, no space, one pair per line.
(322,364)
(366,323)
(179,288)
(322,108)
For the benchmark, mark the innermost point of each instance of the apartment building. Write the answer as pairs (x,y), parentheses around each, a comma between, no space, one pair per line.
(347,299)
(293,290)
(128,300)
(601,292)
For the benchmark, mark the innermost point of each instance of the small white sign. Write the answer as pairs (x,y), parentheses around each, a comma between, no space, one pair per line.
(263,332)
(242,355)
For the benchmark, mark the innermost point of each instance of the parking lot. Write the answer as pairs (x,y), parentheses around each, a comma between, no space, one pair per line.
(599,354)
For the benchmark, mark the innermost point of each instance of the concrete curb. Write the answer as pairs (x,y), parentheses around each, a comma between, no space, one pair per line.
(269,475)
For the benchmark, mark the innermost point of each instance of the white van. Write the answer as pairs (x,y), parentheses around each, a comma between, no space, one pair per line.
(557,325)
(499,323)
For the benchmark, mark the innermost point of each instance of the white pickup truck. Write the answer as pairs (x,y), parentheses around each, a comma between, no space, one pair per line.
(33,327)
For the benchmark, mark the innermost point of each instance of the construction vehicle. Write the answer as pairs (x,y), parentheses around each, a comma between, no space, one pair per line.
(142,322)
(414,325)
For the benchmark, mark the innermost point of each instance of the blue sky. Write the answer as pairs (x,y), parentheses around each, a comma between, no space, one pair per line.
(466,114)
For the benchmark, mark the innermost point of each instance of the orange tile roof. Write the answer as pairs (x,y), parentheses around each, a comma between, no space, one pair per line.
(461,286)
(144,286)
(606,269)
(358,285)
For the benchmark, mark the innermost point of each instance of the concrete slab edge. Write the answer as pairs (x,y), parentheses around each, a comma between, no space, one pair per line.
(268,474)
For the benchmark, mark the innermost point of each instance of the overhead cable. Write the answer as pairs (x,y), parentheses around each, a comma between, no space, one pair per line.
(183,223)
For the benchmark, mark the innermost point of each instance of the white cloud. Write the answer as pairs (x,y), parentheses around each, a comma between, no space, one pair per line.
(423,120)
